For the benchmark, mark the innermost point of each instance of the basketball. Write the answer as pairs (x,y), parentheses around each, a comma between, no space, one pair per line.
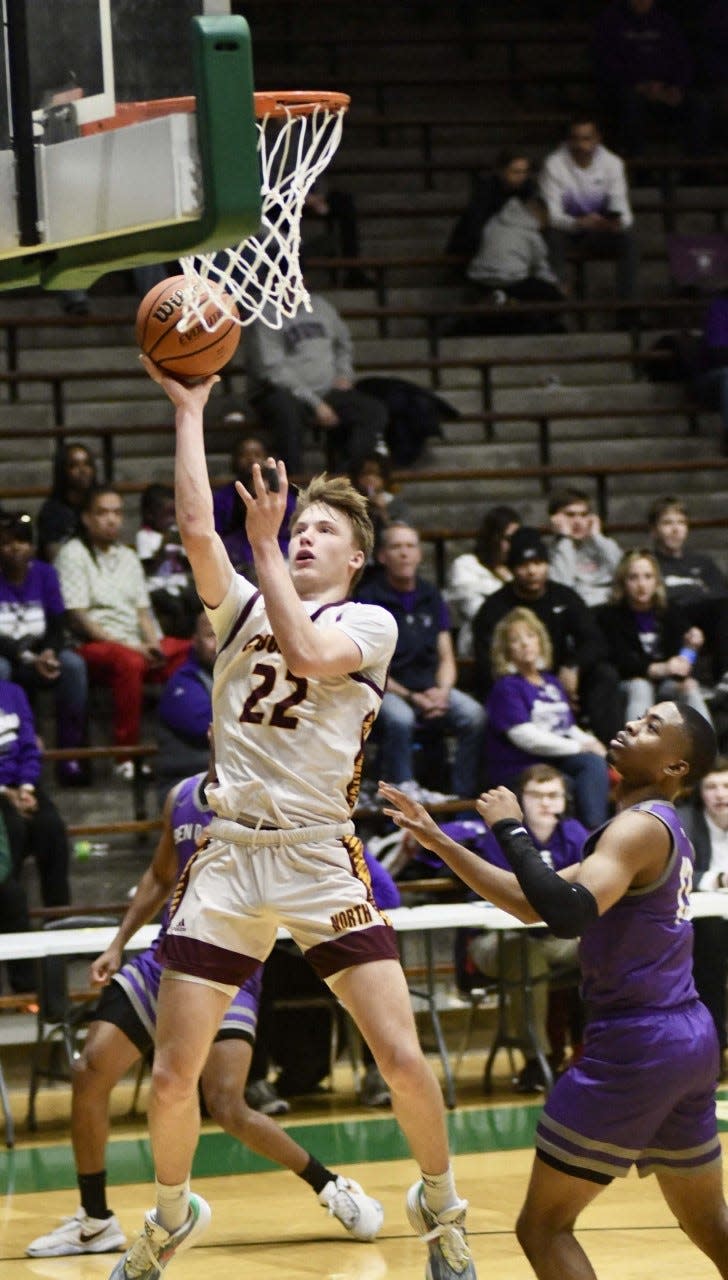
(194,353)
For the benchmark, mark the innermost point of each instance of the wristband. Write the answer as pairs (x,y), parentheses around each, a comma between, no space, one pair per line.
(566,908)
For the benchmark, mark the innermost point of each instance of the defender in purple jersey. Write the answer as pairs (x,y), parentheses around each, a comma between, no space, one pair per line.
(643,1092)
(124,1030)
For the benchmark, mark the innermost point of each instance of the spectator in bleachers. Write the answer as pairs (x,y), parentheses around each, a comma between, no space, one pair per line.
(106,595)
(33,823)
(184,713)
(229,509)
(579,648)
(33,649)
(711,375)
(651,644)
(476,574)
(301,376)
(74,474)
(420,692)
(693,581)
(705,819)
(585,189)
(581,556)
(372,477)
(511,177)
(337,211)
(644,71)
(511,264)
(559,838)
(530,720)
(169,580)
(711,51)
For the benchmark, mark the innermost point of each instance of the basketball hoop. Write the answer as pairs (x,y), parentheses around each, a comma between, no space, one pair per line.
(298,133)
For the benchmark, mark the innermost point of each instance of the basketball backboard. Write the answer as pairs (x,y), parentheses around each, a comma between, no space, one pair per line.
(77,198)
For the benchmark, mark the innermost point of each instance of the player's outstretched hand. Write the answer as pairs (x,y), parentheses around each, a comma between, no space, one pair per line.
(182,394)
(410,815)
(265,507)
(497,804)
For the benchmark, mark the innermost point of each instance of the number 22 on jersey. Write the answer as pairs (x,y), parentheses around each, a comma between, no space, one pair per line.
(267,705)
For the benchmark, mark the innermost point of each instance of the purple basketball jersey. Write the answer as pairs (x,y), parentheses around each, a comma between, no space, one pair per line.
(638,955)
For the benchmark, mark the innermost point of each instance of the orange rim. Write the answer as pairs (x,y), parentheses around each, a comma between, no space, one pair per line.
(297,102)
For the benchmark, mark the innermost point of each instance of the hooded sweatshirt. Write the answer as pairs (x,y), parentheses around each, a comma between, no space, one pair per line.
(511,248)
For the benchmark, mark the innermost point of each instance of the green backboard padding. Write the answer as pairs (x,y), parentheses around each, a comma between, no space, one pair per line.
(227,141)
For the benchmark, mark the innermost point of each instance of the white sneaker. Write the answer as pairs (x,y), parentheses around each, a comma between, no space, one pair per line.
(449,1255)
(436,797)
(125,771)
(155,1248)
(79,1234)
(359,1213)
(423,795)
(411,789)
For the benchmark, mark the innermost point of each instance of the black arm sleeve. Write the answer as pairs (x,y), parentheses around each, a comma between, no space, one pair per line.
(566,908)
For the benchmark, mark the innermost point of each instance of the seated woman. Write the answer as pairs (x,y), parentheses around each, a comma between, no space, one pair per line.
(530,719)
(650,643)
(478,573)
(74,475)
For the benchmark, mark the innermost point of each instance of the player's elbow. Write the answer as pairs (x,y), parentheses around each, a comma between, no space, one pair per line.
(303,665)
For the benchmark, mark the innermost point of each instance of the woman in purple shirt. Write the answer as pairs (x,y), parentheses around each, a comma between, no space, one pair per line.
(530,719)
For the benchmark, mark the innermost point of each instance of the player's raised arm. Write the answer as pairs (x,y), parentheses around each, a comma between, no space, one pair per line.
(208,558)
(324,559)
(492,883)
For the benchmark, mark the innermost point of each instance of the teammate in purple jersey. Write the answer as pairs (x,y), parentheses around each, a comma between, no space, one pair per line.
(124,1029)
(644,1091)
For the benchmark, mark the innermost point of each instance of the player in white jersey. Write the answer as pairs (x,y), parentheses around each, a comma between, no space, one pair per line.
(297,683)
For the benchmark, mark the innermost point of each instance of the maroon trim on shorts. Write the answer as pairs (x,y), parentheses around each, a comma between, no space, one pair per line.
(240,620)
(361,946)
(203,960)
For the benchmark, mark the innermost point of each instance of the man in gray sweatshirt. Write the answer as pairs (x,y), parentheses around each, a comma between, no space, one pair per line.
(302,375)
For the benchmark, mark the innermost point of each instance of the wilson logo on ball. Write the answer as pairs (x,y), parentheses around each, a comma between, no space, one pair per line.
(195,353)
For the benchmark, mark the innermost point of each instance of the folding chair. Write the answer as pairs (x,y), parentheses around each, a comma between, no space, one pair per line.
(61,1020)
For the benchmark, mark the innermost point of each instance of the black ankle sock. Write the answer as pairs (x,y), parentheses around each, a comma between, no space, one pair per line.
(317,1175)
(92,1187)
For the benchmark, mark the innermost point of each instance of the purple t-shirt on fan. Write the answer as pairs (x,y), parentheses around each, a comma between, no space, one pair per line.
(514,700)
(25,610)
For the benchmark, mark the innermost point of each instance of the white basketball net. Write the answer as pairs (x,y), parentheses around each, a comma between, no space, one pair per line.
(263,273)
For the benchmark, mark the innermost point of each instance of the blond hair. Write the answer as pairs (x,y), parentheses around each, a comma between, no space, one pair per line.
(339,494)
(500,660)
(621,573)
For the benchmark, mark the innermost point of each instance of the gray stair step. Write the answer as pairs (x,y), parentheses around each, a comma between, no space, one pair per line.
(634,450)
(537,345)
(640,396)
(26,417)
(78,357)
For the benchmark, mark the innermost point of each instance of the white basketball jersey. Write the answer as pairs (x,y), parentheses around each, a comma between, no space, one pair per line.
(289,750)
